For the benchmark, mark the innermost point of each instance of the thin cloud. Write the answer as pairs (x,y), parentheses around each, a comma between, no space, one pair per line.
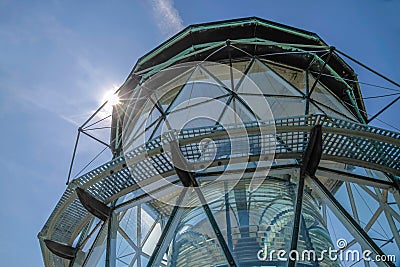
(72,100)
(166,16)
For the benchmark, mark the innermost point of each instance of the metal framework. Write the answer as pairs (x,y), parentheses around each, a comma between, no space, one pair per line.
(106,217)
(342,142)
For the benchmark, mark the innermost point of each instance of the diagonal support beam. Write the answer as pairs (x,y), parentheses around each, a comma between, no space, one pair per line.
(383,203)
(352,202)
(380,75)
(73,157)
(354,210)
(112,239)
(367,227)
(353,178)
(331,50)
(156,221)
(347,220)
(188,179)
(311,158)
(396,196)
(128,239)
(168,232)
(217,231)
(383,110)
(97,139)
(368,68)
(297,218)
(394,214)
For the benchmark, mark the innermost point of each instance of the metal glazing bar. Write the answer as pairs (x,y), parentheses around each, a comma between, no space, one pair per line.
(352,202)
(236,88)
(307,81)
(168,232)
(297,218)
(168,109)
(396,195)
(374,196)
(128,239)
(393,227)
(331,49)
(83,241)
(99,238)
(217,231)
(139,233)
(396,182)
(188,179)
(146,197)
(354,210)
(308,241)
(228,216)
(365,83)
(156,221)
(355,178)
(355,105)
(228,45)
(241,50)
(111,238)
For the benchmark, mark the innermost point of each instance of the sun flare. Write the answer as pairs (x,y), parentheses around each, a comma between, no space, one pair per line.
(111,98)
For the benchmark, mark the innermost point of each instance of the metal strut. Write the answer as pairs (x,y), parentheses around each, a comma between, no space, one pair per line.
(188,180)
(81,129)
(73,157)
(331,49)
(380,75)
(347,220)
(311,158)
(168,232)
(382,110)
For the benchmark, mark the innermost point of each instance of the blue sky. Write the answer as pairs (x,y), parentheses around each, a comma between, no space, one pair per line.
(58,58)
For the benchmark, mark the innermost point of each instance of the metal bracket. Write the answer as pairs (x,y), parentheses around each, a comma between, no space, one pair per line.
(93,205)
(61,250)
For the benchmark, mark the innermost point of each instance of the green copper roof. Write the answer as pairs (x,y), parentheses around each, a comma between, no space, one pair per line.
(254,37)
(221,25)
